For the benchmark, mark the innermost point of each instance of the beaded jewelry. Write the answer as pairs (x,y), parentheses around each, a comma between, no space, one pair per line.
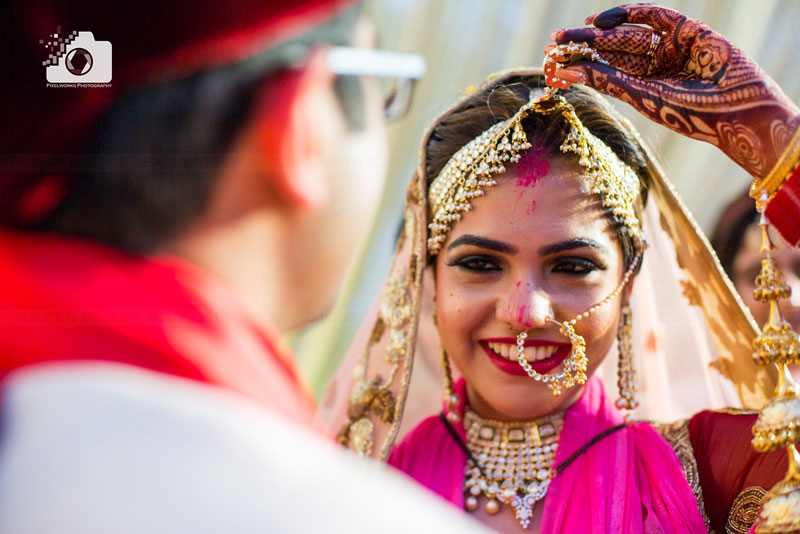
(574,371)
(451,400)
(626,374)
(469,172)
(512,462)
(778,423)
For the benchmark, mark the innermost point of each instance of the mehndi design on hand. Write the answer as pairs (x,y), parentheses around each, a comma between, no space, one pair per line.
(689,78)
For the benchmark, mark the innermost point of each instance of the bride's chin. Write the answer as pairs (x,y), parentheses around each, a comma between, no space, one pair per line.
(525,405)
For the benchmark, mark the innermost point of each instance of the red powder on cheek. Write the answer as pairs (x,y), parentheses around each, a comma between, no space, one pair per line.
(530,208)
(532,167)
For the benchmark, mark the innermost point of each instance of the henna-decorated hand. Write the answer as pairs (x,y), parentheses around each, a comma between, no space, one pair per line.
(687,77)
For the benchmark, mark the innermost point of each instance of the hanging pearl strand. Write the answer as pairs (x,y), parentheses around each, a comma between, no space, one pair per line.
(575,366)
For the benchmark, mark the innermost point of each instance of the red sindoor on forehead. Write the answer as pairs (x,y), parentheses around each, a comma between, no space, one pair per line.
(532,167)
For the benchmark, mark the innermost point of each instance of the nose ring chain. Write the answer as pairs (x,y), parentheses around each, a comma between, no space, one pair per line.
(574,371)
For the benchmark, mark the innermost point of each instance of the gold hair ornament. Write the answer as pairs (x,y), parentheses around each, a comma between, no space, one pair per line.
(469,172)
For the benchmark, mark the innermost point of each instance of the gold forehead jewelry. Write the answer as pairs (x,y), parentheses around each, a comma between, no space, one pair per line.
(469,172)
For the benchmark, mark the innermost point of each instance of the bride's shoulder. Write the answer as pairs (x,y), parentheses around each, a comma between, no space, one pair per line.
(702,429)
(715,450)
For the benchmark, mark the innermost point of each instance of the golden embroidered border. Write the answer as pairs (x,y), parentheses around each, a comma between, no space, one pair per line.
(744,511)
(677,435)
(416,213)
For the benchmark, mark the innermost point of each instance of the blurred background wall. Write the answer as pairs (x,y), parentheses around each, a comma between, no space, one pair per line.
(466,40)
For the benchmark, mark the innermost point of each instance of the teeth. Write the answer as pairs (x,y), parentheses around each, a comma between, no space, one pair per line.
(505,350)
(532,354)
(540,353)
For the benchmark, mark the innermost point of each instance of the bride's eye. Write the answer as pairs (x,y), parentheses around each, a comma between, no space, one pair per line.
(476,264)
(576,266)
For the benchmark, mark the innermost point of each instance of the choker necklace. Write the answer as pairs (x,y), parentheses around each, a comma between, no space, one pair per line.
(512,462)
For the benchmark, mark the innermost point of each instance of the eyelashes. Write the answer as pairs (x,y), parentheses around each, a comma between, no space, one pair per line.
(572,266)
(476,264)
(578,266)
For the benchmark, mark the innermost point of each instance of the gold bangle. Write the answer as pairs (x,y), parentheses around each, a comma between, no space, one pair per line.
(780,172)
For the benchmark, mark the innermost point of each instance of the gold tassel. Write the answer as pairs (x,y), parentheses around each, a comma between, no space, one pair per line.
(778,424)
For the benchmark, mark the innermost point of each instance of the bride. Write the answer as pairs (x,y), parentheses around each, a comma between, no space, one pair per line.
(530,215)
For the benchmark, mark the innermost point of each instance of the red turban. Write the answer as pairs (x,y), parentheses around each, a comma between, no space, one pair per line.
(152,40)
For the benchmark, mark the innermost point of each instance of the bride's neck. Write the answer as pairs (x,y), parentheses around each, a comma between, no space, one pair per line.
(517,413)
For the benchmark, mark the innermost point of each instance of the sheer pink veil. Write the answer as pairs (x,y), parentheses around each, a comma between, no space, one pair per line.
(692,334)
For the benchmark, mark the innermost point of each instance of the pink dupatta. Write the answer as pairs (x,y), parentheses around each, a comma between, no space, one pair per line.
(630,481)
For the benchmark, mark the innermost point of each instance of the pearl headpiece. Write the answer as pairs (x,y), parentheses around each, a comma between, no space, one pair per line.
(469,172)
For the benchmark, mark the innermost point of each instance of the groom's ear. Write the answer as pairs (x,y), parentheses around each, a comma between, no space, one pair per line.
(291,144)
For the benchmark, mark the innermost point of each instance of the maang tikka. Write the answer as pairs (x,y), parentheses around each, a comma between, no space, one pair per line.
(469,173)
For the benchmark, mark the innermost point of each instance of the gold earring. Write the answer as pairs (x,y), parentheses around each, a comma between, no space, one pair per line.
(626,374)
(451,400)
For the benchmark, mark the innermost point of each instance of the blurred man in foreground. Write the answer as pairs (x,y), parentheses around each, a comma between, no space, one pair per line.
(159,231)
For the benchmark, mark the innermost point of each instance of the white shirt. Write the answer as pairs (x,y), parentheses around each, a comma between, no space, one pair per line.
(107,448)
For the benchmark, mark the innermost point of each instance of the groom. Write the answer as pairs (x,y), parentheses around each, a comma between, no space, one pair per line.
(159,229)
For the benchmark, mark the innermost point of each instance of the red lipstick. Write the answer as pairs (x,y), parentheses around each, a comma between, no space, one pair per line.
(540,366)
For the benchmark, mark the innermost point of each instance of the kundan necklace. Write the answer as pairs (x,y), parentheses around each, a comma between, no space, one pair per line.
(511,462)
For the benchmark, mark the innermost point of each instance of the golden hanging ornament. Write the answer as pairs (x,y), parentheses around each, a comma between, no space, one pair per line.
(626,373)
(778,424)
(452,401)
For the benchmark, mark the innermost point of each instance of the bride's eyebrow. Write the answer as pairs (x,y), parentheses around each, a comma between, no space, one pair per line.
(572,244)
(483,242)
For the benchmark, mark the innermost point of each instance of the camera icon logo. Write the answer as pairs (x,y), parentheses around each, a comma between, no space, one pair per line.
(81,59)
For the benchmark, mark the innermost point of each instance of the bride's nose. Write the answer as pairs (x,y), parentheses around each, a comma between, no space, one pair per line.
(525,307)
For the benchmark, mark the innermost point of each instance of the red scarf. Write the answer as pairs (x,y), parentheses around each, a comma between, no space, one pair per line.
(65,300)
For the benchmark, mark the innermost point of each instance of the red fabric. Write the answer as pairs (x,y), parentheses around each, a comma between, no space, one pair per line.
(151,41)
(783,211)
(727,462)
(63,300)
